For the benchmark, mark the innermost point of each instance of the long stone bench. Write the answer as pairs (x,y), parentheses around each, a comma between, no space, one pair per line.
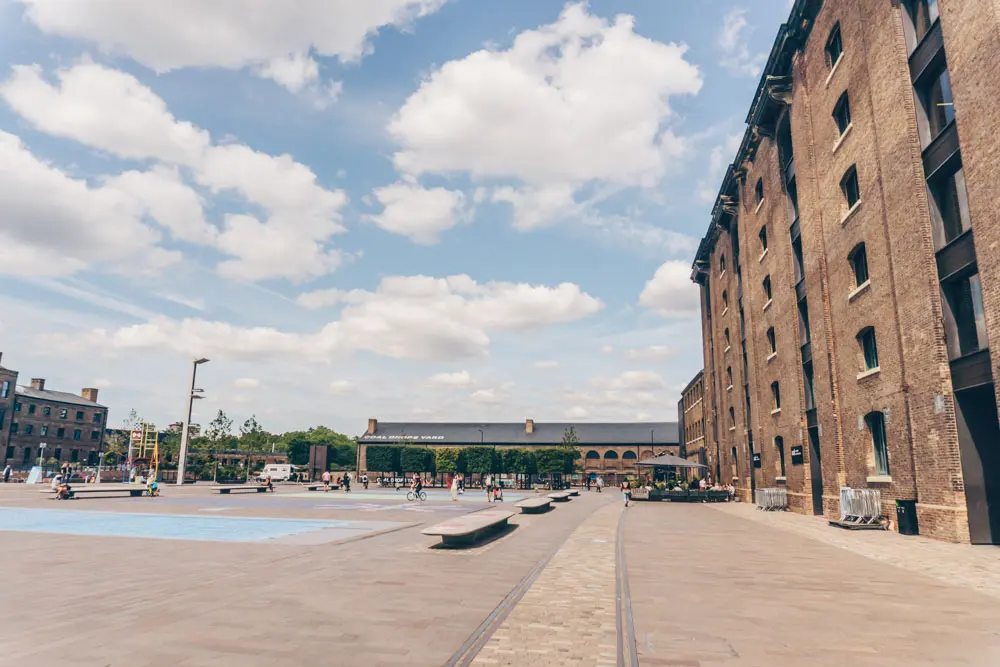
(130,490)
(470,528)
(560,496)
(574,492)
(534,505)
(229,488)
(319,486)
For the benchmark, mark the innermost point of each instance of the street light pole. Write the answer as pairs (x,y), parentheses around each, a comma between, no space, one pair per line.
(192,394)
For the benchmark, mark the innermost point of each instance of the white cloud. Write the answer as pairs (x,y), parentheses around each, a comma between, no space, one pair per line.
(56,225)
(101,383)
(459,379)
(631,381)
(578,101)
(608,349)
(719,158)
(112,111)
(546,363)
(733,47)
(341,387)
(488,396)
(415,317)
(418,213)
(246,383)
(651,353)
(670,291)
(577,412)
(274,37)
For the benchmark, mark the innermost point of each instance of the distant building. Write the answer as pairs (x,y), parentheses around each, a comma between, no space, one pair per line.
(8,384)
(194,430)
(608,449)
(70,427)
(691,426)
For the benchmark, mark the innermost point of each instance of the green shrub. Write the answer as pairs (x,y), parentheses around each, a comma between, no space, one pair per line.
(383,458)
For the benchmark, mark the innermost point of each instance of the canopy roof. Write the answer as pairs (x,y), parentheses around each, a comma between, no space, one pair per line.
(669,460)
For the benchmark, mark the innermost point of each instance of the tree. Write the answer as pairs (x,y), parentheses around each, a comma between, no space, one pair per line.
(550,460)
(220,432)
(416,459)
(569,438)
(478,459)
(253,441)
(343,453)
(383,458)
(446,459)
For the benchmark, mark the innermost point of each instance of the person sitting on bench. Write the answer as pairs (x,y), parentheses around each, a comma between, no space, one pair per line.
(267,483)
(153,488)
(63,491)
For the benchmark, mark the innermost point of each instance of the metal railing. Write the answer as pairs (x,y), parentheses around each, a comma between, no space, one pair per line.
(771,500)
(860,506)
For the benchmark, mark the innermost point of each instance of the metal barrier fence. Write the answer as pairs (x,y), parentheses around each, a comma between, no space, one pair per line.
(771,500)
(860,506)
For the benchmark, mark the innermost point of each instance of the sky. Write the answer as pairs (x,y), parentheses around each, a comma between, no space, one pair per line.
(413,210)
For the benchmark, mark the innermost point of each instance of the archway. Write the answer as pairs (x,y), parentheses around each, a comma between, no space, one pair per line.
(610,454)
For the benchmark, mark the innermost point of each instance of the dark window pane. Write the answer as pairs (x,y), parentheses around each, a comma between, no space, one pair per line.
(842,113)
(859,262)
(834,46)
(779,445)
(852,192)
(810,393)
(869,348)
(964,321)
(876,426)
(803,322)
(797,256)
(949,202)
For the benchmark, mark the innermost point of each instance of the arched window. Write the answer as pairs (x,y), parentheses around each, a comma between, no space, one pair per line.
(593,454)
(767,288)
(771,342)
(630,455)
(869,348)
(610,454)
(834,46)
(850,187)
(775,396)
(859,264)
(725,300)
(732,418)
(722,263)
(842,113)
(779,446)
(726,335)
(875,421)
(729,377)
(759,190)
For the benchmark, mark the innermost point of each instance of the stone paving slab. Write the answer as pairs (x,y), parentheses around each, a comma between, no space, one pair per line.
(569,615)
(714,588)
(974,567)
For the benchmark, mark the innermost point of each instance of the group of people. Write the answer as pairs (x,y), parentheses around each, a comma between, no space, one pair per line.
(344,481)
(598,482)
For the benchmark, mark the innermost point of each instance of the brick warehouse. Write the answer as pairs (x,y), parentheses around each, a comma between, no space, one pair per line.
(691,422)
(848,293)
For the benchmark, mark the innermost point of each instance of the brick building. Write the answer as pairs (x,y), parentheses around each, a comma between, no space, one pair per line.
(8,393)
(691,422)
(607,449)
(849,280)
(71,426)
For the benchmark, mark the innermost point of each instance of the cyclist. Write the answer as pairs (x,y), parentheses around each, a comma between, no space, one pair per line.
(417,485)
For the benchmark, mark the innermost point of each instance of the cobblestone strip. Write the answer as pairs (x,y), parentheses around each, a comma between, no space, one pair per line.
(972,567)
(569,615)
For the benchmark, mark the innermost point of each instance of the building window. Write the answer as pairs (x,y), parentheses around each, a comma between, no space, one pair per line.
(772,345)
(60,433)
(842,113)
(949,201)
(62,413)
(43,430)
(5,389)
(74,456)
(869,348)
(31,409)
(779,445)
(28,429)
(725,300)
(809,390)
(57,454)
(47,411)
(94,435)
(722,263)
(798,264)
(759,190)
(936,109)
(922,15)
(79,415)
(97,417)
(10,451)
(964,321)
(3,416)
(762,235)
(834,46)
(803,322)
(775,396)
(26,456)
(726,336)
(732,417)
(849,185)
(77,433)
(729,376)
(767,287)
(859,264)
(876,427)
(17,407)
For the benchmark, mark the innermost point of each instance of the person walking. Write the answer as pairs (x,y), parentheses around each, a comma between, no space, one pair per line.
(326,480)
(347,482)
(454,487)
(6,474)
(626,492)
(364,481)
(600,483)
(588,482)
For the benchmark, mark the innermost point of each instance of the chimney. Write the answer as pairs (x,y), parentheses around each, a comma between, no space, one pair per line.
(38,383)
(89,394)
(529,425)
(372,425)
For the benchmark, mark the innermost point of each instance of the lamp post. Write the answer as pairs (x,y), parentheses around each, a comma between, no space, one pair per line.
(41,455)
(100,464)
(192,395)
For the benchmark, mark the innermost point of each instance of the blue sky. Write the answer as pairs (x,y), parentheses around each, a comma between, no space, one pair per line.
(407,209)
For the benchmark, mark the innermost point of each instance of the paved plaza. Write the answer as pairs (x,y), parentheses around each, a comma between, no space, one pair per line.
(293,578)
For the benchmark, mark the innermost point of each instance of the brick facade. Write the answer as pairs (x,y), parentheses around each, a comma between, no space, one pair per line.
(879,341)
(691,423)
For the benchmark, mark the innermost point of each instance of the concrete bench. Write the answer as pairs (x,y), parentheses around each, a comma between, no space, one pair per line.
(258,488)
(130,490)
(560,496)
(534,505)
(574,492)
(319,486)
(470,528)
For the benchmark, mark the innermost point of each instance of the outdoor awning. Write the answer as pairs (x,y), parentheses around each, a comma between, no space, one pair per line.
(670,461)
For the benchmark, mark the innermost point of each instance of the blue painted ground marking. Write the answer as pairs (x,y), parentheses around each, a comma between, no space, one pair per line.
(162,526)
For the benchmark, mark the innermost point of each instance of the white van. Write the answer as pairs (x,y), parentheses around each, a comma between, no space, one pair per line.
(279,472)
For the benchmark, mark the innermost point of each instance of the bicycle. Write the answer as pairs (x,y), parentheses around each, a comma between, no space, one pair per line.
(413,495)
